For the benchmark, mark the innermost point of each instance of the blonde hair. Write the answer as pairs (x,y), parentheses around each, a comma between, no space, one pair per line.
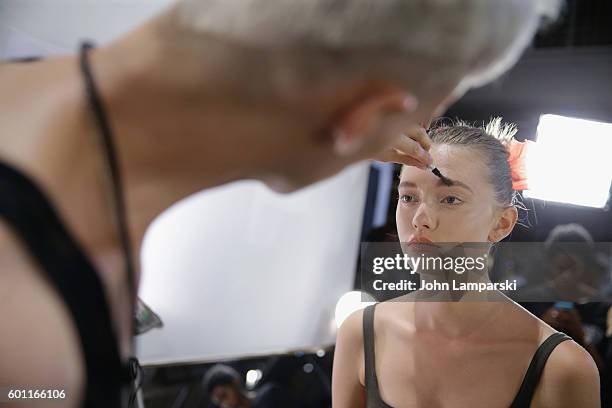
(479,38)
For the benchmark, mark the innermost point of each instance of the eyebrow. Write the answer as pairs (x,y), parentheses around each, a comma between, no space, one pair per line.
(439,184)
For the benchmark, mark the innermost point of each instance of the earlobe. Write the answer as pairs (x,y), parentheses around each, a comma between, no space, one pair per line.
(504,225)
(351,128)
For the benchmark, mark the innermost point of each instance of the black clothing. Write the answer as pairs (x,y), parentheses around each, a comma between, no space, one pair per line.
(31,216)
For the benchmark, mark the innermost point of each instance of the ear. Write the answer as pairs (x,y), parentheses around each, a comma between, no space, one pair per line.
(350,130)
(505,224)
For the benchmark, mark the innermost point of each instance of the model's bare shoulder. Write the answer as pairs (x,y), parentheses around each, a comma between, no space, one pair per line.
(39,346)
(350,340)
(348,373)
(570,379)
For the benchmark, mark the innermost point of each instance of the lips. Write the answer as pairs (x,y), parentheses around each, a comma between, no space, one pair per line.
(420,240)
(422,244)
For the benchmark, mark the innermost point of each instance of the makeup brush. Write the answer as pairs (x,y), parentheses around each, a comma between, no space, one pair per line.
(437,172)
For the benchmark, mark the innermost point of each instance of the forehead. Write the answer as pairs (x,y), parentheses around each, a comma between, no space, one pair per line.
(462,163)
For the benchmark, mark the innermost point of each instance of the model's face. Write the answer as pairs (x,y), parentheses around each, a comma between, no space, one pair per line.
(464,212)
(225,396)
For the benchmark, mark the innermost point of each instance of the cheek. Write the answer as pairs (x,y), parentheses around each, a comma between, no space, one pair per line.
(403,221)
(471,225)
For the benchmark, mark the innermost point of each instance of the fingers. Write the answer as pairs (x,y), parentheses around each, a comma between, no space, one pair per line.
(419,134)
(394,156)
(413,139)
(415,145)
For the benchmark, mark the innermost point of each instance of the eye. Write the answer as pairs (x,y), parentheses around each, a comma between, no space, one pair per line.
(451,200)
(407,198)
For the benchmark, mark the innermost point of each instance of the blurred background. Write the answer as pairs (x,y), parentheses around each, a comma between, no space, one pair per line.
(566,72)
(269,305)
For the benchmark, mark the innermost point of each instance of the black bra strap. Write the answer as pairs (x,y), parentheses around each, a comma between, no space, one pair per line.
(371,381)
(536,366)
(34,220)
(103,124)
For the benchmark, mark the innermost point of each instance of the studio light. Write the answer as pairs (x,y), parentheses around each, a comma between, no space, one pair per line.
(252,378)
(571,161)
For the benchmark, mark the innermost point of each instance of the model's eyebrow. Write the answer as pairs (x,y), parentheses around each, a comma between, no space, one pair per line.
(440,184)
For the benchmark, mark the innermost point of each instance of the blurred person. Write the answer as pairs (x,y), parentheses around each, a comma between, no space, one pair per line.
(569,320)
(576,273)
(578,278)
(94,147)
(575,297)
(225,389)
(482,349)
(576,270)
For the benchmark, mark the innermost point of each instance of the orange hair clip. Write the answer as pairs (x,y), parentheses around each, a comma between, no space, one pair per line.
(517,154)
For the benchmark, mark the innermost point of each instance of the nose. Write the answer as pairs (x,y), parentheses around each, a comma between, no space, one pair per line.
(423,219)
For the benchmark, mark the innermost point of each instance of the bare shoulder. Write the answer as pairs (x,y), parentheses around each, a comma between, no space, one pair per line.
(348,373)
(39,344)
(350,333)
(570,379)
(386,316)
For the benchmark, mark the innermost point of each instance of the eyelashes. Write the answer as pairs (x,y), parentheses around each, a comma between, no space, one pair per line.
(410,199)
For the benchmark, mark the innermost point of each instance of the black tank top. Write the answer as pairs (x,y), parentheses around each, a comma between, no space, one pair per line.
(522,399)
(31,216)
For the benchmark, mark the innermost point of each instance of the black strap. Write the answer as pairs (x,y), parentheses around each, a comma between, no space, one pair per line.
(103,124)
(534,372)
(373,398)
(33,219)
(368,349)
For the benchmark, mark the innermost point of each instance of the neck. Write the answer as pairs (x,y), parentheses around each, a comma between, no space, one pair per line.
(172,112)
(452,313)
(455,319)
(171,120)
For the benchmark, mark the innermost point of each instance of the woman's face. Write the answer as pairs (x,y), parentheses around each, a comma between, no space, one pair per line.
(465,212)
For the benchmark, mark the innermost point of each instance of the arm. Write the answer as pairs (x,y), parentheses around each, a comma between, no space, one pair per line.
(39,346)
(570,379)
(347,389)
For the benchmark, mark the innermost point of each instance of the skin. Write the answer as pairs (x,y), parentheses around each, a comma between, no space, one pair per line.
(457,354)
(229,396)
(569,277)
(183,122)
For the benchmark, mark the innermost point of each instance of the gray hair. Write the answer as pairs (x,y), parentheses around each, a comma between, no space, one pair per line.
(477,38)
(491,141)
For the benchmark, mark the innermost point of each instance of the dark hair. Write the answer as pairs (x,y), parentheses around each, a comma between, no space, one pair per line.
(491,141)
(574,240)
(569,233)
(570,239)
(220,374)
